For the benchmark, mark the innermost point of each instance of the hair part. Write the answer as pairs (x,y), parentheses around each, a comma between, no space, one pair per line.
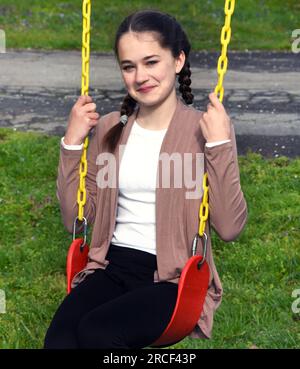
(170,35)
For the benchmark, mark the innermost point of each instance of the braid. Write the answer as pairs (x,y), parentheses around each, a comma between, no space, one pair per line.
(113,135)
(185,82)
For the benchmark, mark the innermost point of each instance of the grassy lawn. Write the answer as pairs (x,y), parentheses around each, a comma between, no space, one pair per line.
(52,24)
(259,270)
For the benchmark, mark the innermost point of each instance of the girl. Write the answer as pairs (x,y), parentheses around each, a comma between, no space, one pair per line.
(142,231)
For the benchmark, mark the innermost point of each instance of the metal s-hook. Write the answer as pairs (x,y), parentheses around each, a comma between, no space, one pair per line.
(84,232)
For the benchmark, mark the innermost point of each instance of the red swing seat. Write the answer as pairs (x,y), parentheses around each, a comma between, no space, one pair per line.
(76,260)
(192,289)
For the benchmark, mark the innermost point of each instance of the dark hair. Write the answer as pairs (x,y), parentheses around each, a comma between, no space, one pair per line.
(170,36)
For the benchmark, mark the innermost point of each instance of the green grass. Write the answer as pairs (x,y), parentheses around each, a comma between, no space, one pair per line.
(52,24)
(259,270)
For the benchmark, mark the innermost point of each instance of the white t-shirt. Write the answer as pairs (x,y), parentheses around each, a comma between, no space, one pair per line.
(135,222)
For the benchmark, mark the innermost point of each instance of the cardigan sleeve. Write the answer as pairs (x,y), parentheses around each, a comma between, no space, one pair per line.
(227,205)
(68,181)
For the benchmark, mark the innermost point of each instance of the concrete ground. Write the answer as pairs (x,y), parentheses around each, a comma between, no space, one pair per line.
(262,93)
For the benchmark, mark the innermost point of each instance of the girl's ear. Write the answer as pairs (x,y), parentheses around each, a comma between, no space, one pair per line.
(180,60)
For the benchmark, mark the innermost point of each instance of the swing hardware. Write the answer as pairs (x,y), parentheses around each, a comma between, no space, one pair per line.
(84,231)
(194,248)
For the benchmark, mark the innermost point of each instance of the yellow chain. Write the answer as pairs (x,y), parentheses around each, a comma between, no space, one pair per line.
(203,211)
(225,39)
(222,68)
(86,27)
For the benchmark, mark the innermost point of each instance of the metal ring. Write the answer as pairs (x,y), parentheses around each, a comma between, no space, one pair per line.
(84,231)
(194,247)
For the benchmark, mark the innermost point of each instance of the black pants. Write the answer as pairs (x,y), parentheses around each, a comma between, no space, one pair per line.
(119,307)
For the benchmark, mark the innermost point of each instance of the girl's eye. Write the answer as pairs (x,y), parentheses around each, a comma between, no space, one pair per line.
(152,62)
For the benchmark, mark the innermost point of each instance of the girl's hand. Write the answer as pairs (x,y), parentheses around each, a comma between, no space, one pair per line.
(82,118)
(215,123)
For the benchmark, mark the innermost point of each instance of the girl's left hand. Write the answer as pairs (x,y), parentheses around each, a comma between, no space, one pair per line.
(215,123)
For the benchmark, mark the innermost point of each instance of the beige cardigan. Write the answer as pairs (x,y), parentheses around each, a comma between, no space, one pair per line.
(177,218)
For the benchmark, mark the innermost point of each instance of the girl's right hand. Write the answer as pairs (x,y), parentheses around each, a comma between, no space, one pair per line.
(82,118)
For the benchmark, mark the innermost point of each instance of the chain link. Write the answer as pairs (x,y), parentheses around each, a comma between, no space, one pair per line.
(86,28)
(222,68)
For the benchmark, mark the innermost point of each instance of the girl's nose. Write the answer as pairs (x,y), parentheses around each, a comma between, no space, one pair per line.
(141,75)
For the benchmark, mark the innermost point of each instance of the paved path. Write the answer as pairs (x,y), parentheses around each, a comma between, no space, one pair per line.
(262,93)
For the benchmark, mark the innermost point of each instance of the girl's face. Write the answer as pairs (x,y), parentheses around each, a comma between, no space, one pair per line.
(144,63)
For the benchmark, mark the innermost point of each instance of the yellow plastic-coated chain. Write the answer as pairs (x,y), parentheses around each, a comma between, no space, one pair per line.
(86,28)
(219,90)
(203,212)
(225,39)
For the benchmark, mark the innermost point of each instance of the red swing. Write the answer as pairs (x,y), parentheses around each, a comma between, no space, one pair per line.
(194,279)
